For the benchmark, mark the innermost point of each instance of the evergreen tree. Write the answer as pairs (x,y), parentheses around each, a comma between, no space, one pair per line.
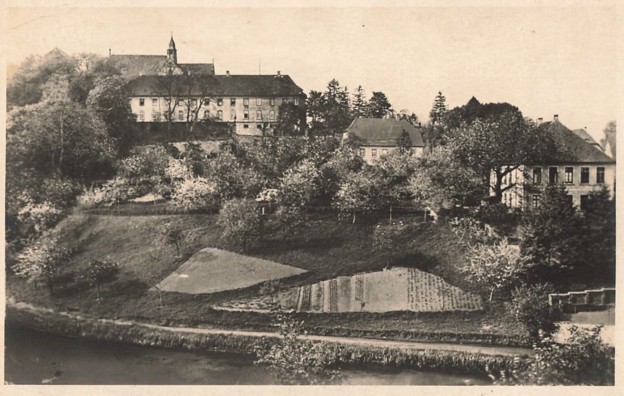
(404,142)
(359,105)
(438,110)
(378,105)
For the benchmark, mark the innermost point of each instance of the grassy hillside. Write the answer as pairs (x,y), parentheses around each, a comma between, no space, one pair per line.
(325,247)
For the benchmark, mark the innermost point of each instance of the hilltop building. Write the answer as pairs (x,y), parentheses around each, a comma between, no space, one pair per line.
(163,90)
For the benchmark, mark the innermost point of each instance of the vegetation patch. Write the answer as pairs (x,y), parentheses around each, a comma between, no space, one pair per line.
(214,270)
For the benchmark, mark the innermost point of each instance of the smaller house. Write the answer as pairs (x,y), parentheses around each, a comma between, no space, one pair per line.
(377,137)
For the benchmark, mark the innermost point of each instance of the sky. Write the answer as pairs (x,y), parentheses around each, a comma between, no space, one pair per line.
(544,60)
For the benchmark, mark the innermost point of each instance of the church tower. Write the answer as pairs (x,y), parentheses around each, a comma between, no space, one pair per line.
(172,53)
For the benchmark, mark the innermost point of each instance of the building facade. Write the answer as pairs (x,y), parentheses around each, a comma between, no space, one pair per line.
(163,90)
(584,167)
(377,137)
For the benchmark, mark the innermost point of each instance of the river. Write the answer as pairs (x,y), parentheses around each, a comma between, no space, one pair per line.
(33,357)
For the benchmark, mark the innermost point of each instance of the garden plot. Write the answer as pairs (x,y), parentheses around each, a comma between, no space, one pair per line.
(396,289)
(213,270)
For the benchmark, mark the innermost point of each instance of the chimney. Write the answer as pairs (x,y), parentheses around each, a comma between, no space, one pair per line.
(556,117)
(109,52)
(279,73)
(540,120)
(227,73)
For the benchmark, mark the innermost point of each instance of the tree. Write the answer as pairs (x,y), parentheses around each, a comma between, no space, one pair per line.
(290,120)
(497,146)
(609,139)
(359,104)
(293,361)
(59,138)
(551,236)
(438,111)
(336,108)
(358,193)
(315,106)
(391,174)
(440,181)
(109,99)
(195,193)
(99,272)
(378,105)
(42,261)
(531,307)
(299,184)
(495,266)
(240,220)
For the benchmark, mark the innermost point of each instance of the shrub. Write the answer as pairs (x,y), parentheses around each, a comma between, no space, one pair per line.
(99,272)
(42,261)
(530,306)
(39,217)
(195,194)
(240,220)
(582,360)
(296,362)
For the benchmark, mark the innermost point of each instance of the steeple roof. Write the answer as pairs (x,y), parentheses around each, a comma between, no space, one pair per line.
(172,43)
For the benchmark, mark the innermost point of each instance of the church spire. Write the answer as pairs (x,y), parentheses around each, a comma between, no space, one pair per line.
(172,53)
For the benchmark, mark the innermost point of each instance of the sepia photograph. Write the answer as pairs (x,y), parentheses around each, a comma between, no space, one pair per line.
(310,194)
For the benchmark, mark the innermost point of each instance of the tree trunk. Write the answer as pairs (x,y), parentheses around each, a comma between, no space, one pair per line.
(390,214)
(353,222)
(498,194)
(60,162)
(492,293)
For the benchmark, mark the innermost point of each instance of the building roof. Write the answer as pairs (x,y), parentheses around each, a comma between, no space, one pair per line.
(572,148)
(383,132)
(223,85)
(151,65)
(582,133)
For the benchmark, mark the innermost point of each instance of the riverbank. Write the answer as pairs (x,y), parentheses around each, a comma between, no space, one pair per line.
(456,358)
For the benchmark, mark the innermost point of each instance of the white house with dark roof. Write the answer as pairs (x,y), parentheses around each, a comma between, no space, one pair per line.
(377,137)
(161,88)
(580,164)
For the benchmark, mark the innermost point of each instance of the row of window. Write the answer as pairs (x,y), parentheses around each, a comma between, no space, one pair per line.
(206,101)
(182,115)
(553,175)
(373,152)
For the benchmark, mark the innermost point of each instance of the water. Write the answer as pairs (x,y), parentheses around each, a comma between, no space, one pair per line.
(32,357)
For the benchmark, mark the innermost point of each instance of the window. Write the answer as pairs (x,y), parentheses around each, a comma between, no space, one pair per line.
(584,175)
(246,126)
(600,175)
(553,175)
(246,115)
(220,115)
(535,201)
(537,175)
(384,151)
(232,101)
(570,199)
(155,116)
(259,126)
(154,102)
(141,115)
(258,101)
(373,152)
(272,115)
(362,152)
(584,201)
(142,102)
(258,115)
(233,114)
(219,101)
(206,101)
(569,174)
(272,101)
(193,102)
(206,114)
(245,102)
(180,115)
